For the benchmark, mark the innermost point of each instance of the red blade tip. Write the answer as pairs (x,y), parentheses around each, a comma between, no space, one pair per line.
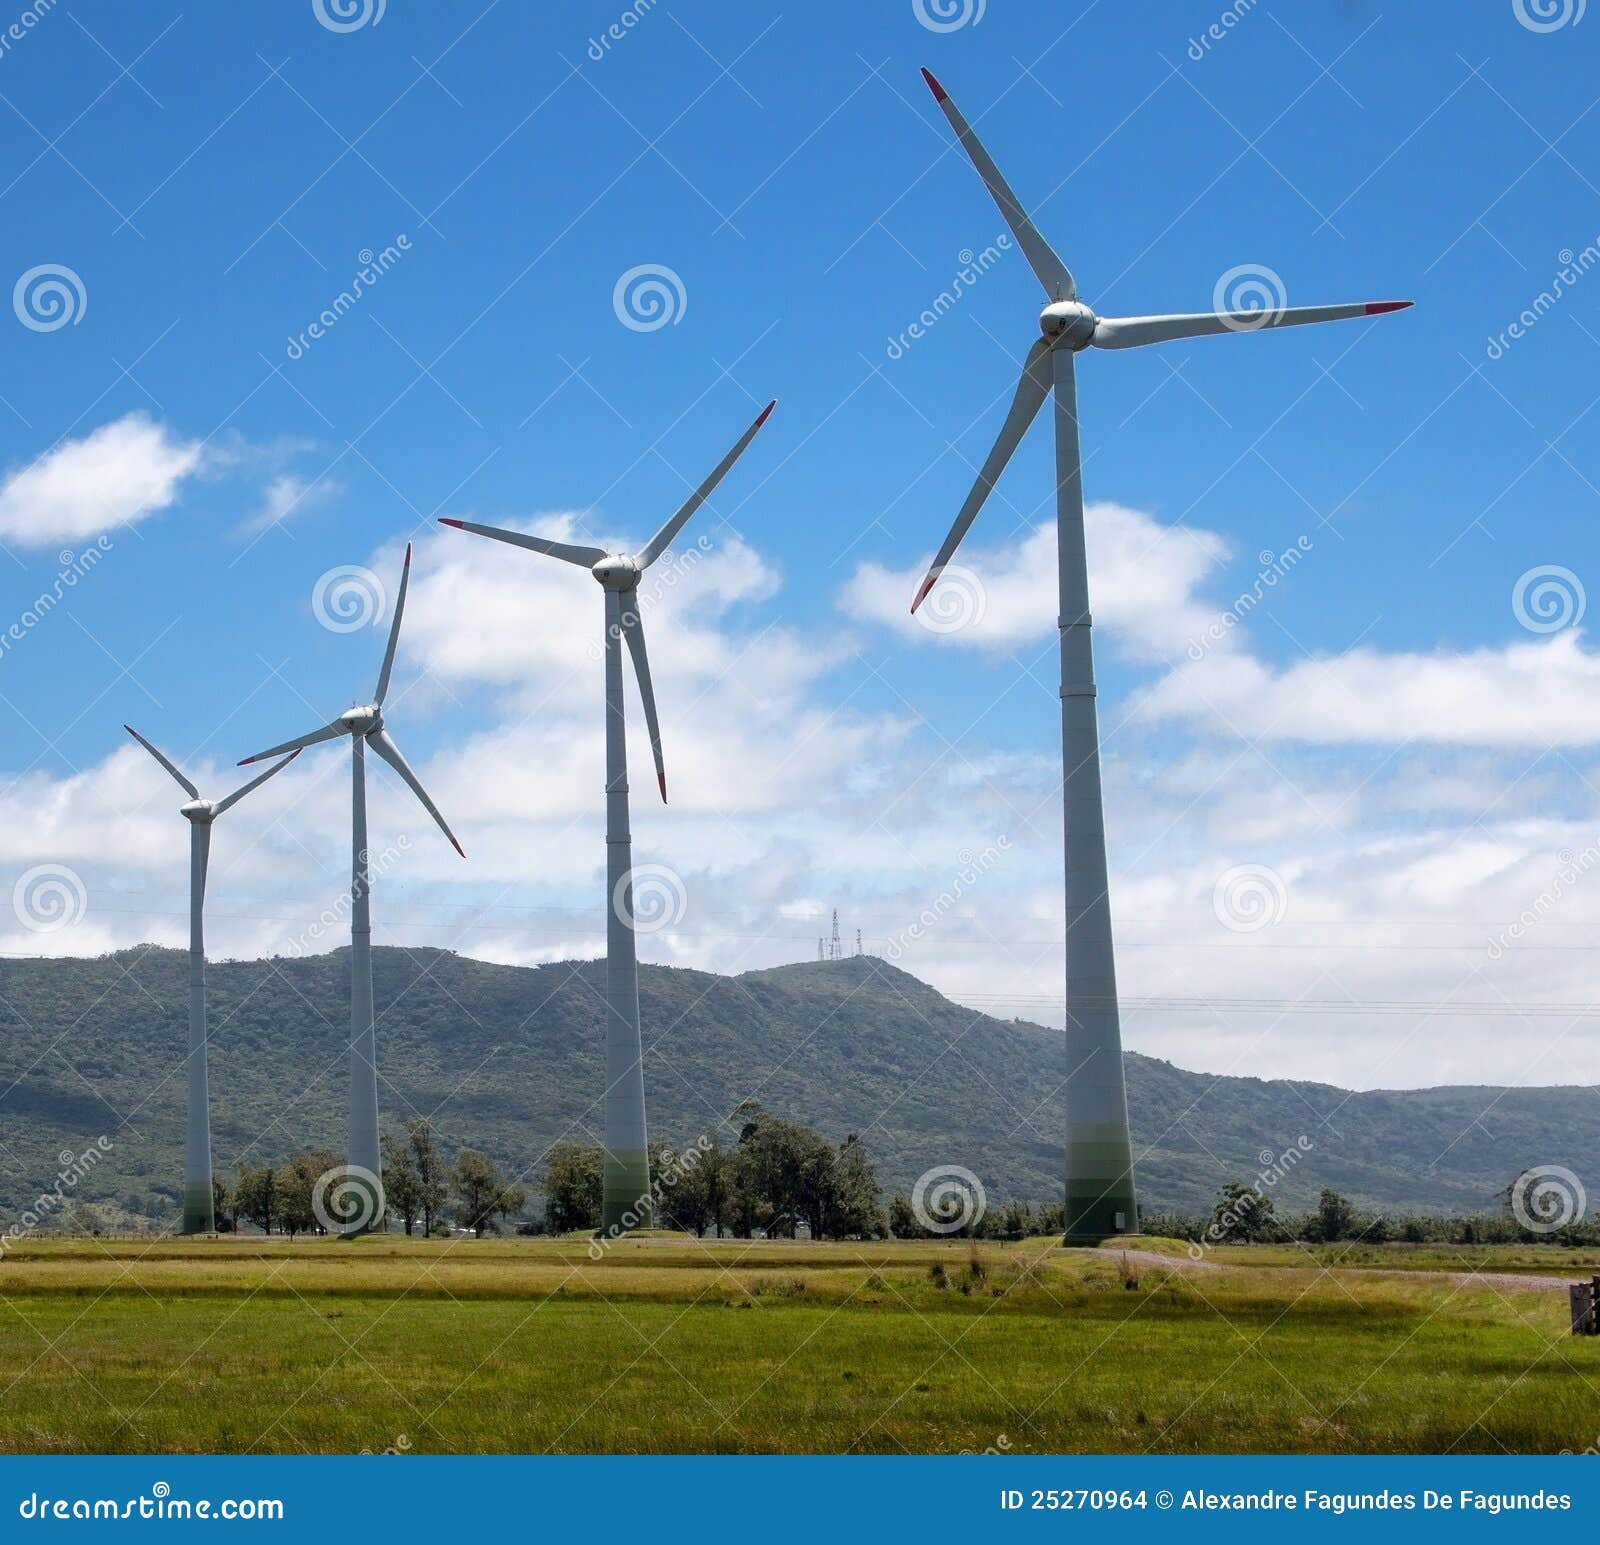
(457,846)
(922,594)
(408,555)
(661,778)
(766,412)
(1378,307)
(459,525)
(938,91)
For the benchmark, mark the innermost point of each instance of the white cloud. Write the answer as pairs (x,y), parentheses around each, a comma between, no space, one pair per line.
(1143,579)
(122,472)
(287,497)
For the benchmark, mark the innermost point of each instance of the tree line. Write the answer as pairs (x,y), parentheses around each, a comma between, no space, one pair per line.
(421,1187)
(1246,1214)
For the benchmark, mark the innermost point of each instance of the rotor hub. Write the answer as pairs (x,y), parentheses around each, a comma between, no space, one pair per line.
(1068,322)
(198,810)
(618,572)
(363,720)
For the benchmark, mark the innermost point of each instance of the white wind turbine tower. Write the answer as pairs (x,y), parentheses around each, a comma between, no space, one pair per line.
(626,1193)
(1100,1190)
(365,726)
(198,1198)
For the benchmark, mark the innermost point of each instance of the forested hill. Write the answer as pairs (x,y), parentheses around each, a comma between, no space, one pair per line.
(507,1059)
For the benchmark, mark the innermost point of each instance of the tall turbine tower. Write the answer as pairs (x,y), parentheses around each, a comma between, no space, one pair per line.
(198,1197)
(626,1192)
(366,727)
(1100,1193)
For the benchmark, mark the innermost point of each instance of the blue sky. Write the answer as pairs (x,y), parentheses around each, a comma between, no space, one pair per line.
(211,176)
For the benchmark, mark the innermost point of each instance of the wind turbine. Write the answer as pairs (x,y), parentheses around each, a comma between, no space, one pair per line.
(1100,1189)
(365,726)
(626,1194)
(199,1215)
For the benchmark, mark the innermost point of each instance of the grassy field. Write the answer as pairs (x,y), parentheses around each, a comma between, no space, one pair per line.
(668,1344)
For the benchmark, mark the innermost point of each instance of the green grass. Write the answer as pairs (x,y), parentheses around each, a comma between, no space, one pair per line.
(668,1345)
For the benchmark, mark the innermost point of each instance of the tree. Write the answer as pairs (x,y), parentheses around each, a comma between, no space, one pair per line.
(573,1183)
(853,1210)
(482,1196)
(402,1182)
(432,1180)
(222,1203)
(1336,1215)
(902,1220)
(256,1196)
(1242,1214)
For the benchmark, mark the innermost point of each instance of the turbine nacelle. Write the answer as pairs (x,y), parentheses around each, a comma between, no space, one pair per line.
(362,720)
(1068,322)
(617,571)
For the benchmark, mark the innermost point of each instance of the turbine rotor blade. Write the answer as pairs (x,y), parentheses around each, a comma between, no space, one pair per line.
(183,782)
(1053,274)
(299,743)
(584,557)
(659,543)
(1135,332)
(254,783)
(1032,390)
(390,752)
(394,630)
(633,633)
